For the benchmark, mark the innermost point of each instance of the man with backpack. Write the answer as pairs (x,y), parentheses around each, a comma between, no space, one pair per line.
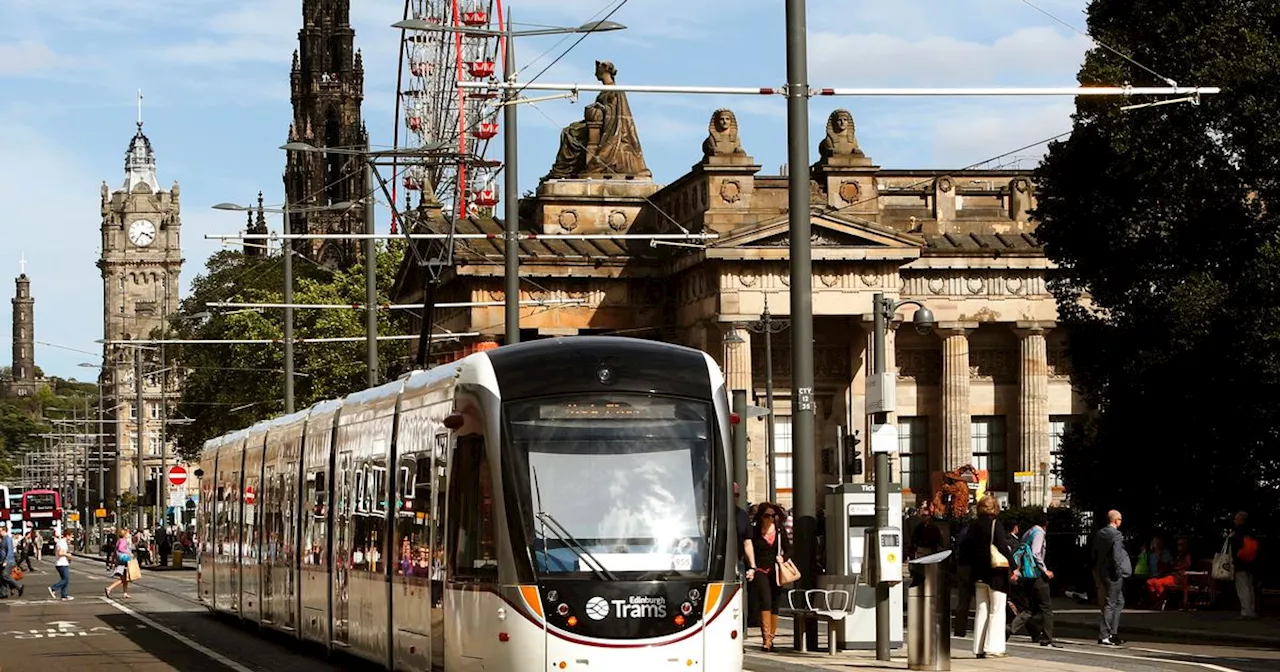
(1034,580)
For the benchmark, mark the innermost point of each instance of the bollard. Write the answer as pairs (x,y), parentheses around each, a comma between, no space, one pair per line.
(928,616)
(176,562)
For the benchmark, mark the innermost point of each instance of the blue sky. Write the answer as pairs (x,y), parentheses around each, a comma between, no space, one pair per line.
(214,74)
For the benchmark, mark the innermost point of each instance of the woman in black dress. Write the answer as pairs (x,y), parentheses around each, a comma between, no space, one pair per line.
(991,581)
(769,544)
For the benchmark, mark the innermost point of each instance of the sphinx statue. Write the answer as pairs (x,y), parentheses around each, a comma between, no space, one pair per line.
(722,135)
(841,139)
(605,142)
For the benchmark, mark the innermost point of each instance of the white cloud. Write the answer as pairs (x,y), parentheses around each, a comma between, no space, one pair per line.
(25,57)
(885,60)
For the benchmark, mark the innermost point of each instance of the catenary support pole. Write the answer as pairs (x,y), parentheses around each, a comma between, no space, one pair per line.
(804,498)
(139,407)
(286,248)
(370,278)
(511,196)
(881,480)
(771,468)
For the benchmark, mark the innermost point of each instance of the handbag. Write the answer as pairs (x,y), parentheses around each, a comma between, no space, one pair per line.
(135,572)
(17,574)
(1224,567)
(785,571)
(997,558)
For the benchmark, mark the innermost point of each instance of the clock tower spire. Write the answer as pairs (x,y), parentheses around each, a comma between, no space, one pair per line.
(141,265)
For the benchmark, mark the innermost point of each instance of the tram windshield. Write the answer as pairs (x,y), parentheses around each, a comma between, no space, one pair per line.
(615,485)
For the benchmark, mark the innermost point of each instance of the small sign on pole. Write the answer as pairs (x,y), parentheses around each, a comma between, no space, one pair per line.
(177,475)
(99,513)
(1024,477)
(881,393)
(884,439)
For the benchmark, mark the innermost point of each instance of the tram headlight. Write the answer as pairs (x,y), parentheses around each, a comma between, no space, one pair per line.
(605,375)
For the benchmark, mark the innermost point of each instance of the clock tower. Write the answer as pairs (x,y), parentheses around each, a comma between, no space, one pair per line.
(141,264)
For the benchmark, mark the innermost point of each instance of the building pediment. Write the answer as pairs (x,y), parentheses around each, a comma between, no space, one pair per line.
(826,231)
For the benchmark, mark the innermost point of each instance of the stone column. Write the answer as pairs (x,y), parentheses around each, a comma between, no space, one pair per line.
(1033,410)
(956,448)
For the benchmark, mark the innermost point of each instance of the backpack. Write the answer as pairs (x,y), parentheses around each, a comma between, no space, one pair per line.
(1023,559)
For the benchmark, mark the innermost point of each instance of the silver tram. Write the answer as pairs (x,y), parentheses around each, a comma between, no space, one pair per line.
(557,504)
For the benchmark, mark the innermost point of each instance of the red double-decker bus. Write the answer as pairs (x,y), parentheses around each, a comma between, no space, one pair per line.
(42,509)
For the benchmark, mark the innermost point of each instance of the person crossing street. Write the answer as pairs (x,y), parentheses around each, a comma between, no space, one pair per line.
(62,549)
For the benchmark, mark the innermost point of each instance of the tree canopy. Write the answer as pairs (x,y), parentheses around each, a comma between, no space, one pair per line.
(1168,257)
(230,386)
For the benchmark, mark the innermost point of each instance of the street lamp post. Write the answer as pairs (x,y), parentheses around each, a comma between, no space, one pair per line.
(769,326)
(884,309)
(510,148)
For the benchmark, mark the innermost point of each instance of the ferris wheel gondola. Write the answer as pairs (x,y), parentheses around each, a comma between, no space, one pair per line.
(436,113)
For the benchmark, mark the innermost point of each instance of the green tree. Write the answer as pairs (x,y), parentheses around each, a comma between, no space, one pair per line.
(228,386)
(1168,275)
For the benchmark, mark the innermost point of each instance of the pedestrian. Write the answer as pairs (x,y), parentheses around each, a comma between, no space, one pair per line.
(986,551)
(27,549)
(1111,567)
(1035,586)
(123,556)
(8,560)
(1244,553)
(769,545)
(62,549)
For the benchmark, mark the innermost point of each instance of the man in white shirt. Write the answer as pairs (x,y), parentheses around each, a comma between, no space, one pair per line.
(62,549)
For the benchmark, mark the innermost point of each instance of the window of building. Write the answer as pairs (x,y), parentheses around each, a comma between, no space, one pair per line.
(154,411)
(153,443)
(987,438)
(782,453)
(1059,425)
(133,412)
(913,453)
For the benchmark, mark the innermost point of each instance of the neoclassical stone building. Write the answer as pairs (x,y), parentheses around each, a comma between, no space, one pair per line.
(989,387)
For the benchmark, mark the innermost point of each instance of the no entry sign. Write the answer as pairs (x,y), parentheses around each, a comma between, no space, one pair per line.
(177,475)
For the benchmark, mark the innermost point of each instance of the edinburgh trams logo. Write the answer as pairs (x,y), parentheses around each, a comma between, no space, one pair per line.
(599,608)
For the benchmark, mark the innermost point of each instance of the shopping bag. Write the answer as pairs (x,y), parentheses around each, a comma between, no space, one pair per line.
(135,571)
(1224,568)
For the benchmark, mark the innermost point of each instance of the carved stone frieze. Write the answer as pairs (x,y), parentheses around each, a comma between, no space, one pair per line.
(617,220)
(830,362)
(568,220)
(974,282)
(849,191)
(1059,361)
(923,365)
(731,191)
(995,364)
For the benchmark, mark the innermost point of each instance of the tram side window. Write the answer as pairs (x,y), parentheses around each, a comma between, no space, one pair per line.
(369,517)
(413,516)
(474,551)
(314,541)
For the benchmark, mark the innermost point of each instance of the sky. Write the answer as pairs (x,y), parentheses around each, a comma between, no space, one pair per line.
(215,80)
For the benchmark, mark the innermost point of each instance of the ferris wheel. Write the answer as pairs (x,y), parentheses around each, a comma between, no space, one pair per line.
(434,111)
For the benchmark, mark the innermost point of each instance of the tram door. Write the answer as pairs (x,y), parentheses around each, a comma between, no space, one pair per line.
(412,596)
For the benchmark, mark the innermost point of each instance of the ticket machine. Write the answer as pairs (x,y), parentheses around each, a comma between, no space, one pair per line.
(851,543)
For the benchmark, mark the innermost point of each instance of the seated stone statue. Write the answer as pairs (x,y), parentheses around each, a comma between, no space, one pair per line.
(722,135)
(605,142)
(841,139)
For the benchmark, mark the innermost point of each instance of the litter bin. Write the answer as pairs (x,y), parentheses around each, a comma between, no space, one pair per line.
(176,562)
(928,615)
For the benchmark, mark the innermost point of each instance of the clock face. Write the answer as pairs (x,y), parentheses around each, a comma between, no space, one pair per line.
(142,233)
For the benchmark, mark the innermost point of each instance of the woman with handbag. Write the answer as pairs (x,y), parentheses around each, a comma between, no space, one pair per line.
(123,555)
(769,567)
(987,553)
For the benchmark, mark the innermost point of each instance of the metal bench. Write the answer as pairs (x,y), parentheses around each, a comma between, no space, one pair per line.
(831,606)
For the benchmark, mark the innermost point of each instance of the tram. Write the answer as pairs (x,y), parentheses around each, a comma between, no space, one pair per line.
(557,504)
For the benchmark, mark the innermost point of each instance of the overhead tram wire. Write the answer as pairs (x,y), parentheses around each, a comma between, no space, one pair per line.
(1100,43)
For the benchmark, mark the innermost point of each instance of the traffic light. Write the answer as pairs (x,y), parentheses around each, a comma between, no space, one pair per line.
(852,459)
(150,498)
